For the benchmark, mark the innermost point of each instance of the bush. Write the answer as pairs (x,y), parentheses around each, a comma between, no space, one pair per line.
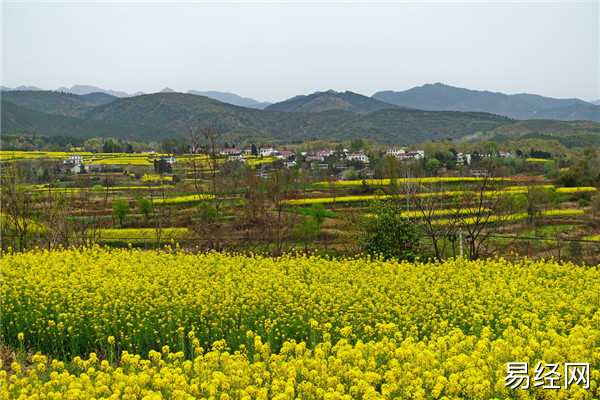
(208,212)
(386,233)
(144,205)
(120,209)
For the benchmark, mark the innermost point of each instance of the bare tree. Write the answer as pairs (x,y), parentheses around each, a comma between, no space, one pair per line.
(428,203)
(56,211)
(264,219)
(108,182)
(18,209)
(281,185)
(489,210)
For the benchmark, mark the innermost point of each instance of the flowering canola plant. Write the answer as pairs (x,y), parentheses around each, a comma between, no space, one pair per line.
(133,325)
(385,182)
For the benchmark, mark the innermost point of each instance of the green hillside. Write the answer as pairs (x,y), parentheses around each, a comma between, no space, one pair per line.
(544,126)
(48,101)
(16,119)
(568,133)
(155,116)
(178,112)
(331,100)
(98,98)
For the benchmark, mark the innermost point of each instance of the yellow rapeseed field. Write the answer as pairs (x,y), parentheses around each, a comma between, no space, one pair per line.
(169,324)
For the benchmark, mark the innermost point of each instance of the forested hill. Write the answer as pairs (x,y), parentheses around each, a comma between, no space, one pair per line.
(162,115)
(438,97)
(331,100)
(179,112)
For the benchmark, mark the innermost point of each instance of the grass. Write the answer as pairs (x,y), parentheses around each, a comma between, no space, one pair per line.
(546,230)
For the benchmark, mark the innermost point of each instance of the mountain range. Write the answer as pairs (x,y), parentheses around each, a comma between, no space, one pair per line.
(438,96)
(326,115)
(433,97)
(224,97)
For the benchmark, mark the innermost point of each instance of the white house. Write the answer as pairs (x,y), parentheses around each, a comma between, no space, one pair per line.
(76,160)
(169,159)
(285,154)
(226,152)
(396,151)
(94,167)
(266,151)
(463,158)
(358,156)
(236,157)
(325,153)
(416,153)
(506,154)
(315,158)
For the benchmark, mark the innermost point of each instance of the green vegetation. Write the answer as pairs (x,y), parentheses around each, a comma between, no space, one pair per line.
(387,233)
(120,209)
(16,119)
(170,117)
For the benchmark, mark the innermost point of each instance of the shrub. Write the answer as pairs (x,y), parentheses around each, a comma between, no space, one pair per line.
(387,233)
(120,209)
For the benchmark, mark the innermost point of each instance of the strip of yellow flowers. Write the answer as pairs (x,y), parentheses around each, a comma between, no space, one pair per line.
(134,235)
(216,326)
(385,182)
(511,217)
(507,190)
(183,199)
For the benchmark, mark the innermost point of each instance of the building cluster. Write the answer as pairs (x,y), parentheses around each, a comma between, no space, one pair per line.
(290,158)
(404,155)
(75,165)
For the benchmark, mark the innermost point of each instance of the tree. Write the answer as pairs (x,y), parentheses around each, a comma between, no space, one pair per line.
(428,200)
(356,145)
(162,166)
(482,212)
(144,204)
(386,233)
(111,147)
(254,150)
(281,186)
(120,209)
(309,228)
(18,209)
(432,166)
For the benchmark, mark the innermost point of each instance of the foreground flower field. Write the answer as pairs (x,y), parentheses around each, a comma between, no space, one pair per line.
(131,324)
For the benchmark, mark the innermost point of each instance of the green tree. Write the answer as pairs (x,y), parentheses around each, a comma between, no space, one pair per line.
(144,204)
(432,166)
(120,209)
(309,228)
(98,190)
(317,211)
(162,166)
(356,145)
(111,147)
(386,233)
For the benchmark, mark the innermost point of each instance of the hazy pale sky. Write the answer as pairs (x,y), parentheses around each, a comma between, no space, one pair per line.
(272,51)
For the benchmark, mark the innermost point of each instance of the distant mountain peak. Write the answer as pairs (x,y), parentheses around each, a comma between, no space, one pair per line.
(331,100)
(28,88)
(87,89)
(442,97)
(231,98)
(167,90)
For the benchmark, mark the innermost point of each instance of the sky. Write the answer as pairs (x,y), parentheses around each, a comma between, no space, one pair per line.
(271,51)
